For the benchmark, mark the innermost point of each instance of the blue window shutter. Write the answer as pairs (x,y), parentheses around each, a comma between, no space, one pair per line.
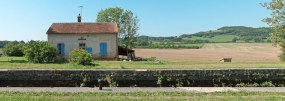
(101,49)
(89,50)
(62,49)
(105,48)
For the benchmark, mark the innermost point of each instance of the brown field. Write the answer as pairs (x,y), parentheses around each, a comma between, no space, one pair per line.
(240,52)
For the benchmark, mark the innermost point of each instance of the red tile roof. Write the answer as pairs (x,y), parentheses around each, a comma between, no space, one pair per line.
(81,28)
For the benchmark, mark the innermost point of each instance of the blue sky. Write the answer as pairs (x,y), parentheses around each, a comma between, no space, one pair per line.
(30,19)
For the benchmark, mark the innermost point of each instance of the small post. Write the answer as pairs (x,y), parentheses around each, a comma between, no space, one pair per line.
(100,81)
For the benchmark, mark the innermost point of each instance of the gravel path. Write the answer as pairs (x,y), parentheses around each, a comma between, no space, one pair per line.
(143,89)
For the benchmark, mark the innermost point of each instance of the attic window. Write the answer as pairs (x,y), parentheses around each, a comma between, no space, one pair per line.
(82,45)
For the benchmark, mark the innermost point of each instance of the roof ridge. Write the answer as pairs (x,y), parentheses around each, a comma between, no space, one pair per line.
(84,22)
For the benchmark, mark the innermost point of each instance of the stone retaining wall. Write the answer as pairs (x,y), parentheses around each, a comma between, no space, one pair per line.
(141,77)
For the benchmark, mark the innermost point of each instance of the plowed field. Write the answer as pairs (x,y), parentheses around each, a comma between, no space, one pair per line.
(240,52)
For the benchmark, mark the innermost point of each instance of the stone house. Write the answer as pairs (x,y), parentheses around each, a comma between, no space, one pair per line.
(98,39)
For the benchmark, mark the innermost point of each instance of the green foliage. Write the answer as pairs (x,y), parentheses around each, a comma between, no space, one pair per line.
(82,85)
(256,84)
(267,84)
(234,39)
(263,84)
(277,23)
(80,57)
(240,85)
(122,67)
(111,81)
(277,19)
(224,34)
(145,59)
(144,96)
(40,52)
(112,15)
(3,43)
(282,55)
(14,50)
(127,24)
(159,80)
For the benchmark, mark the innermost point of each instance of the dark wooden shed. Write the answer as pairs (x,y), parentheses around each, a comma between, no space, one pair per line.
(126,52)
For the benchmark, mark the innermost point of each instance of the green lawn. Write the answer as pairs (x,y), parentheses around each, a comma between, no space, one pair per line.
(21,63)
(145,96)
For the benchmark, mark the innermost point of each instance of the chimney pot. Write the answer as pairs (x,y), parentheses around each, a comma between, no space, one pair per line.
(79,18)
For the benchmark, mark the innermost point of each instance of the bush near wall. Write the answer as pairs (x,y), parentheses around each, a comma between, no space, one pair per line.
(80,57)
(40,52)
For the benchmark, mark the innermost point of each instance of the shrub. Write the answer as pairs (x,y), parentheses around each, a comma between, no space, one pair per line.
(14,50)
(80,57)
(151,59)
(240,85)
(40,52)
(256,84)
(145,59)
(267,84)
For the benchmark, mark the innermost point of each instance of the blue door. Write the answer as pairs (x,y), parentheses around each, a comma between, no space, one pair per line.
(89,50)
(103,49)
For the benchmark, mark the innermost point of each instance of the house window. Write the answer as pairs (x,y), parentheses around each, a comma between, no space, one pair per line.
(60,47)
(81,45)
(103,49)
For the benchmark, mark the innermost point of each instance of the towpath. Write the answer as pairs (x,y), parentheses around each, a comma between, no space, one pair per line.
(143,89)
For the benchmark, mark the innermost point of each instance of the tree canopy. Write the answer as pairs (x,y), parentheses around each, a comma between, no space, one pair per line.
(277,22)
(277,19)
(127,24)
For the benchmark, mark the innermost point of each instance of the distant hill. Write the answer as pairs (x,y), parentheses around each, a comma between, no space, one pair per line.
(240,31)
(220,35)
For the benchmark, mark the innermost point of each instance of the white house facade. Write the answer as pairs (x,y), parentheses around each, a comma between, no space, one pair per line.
(98,39)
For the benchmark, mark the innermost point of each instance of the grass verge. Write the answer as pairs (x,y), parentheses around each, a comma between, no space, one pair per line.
(228,96)
(22,63)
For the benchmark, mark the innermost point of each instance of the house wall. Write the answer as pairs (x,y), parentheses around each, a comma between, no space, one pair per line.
(71,42)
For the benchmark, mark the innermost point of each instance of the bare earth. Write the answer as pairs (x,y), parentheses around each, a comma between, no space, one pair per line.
(240,52)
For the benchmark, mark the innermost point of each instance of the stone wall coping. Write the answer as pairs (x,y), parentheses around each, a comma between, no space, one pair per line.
(138,69)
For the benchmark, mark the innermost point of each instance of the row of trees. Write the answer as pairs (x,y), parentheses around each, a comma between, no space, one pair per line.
(168,46)
(34,51)
(3,43)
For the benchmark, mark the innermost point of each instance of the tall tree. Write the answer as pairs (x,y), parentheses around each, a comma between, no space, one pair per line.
(111,15)
(127,24)
(129,28)
(277,22)
(125,20)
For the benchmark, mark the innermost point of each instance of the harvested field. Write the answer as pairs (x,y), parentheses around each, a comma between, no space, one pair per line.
(240,52)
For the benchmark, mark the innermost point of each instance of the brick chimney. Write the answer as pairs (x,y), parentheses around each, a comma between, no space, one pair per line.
(79,18)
